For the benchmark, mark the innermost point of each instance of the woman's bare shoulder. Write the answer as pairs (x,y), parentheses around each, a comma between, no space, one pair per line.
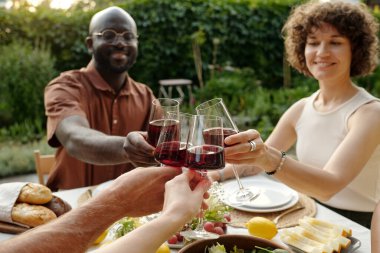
(368,113)
(296,109)
(369,110)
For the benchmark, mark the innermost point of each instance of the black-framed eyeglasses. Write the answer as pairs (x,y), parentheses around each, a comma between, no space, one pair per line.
(110,36)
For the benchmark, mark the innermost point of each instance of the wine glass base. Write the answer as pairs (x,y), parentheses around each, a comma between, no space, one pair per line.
(242,196)
(198,234)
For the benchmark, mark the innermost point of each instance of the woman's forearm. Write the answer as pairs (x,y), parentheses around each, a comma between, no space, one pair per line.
(375,230)
(148,237)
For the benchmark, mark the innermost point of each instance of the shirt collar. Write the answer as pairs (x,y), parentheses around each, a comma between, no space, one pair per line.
(99,83)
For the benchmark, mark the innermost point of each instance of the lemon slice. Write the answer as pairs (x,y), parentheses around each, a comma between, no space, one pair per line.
(164,248)
(101,237)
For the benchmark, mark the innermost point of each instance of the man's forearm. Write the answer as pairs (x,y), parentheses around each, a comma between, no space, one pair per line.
(90,145)
(71,233)
(110,152)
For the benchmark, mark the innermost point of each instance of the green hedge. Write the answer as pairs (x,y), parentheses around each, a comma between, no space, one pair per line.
(248,32)
(24,72)
(243,27)
(166,27)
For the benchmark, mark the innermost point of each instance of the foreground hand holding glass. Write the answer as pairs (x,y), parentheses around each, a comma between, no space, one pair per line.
(204,153)
(217,107)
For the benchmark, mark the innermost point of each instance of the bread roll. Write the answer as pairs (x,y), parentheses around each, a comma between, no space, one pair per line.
(58,206)
(33,193)
(32,215)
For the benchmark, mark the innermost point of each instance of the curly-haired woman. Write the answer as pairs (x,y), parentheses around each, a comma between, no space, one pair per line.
(336,129)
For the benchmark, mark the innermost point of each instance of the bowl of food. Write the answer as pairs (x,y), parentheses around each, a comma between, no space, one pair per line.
(228,242)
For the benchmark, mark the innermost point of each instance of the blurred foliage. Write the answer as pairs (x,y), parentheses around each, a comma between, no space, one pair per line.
(18,158)
(232,85)
(30,40)
(24,71)
(251,104)
(165,27)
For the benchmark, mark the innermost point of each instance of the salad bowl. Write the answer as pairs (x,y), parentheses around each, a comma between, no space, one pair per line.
(243,242)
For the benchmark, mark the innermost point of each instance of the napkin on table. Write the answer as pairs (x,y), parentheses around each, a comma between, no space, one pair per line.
(9,193)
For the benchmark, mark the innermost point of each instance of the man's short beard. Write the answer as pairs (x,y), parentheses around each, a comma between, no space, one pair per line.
(105,65)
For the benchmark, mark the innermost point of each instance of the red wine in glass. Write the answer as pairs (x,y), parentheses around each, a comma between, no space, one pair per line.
(155,127)
(172,153)
(217,107)
(205,157)
(213,135)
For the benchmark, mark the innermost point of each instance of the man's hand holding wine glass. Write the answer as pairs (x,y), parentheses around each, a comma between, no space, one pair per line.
(137,150)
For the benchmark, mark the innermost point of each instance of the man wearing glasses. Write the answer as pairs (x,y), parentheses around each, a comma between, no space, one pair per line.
(95,113)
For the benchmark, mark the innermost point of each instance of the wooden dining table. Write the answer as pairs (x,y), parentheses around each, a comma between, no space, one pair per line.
(361,233)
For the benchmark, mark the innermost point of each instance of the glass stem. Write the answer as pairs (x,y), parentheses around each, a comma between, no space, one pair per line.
(200,221)
(200,218)
(241,187)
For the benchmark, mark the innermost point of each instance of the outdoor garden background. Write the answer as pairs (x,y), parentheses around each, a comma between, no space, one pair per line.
(230,48)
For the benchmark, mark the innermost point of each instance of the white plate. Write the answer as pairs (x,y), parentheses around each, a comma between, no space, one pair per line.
(273,196)
(178,245)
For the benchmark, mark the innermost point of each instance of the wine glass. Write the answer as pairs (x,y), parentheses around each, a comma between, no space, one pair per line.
(217,107)
(204,154)
(162,108)
(171,146)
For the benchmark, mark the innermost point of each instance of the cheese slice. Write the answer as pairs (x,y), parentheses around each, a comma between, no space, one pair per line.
(317,236)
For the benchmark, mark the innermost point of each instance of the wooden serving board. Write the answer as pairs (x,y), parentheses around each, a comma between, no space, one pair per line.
(11,228)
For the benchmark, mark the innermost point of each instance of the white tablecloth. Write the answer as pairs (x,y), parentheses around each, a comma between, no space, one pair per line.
(358,231)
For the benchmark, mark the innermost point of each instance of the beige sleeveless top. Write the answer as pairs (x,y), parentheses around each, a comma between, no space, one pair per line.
(320,133)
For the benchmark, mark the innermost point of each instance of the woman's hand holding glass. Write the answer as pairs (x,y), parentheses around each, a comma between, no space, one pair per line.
(217,107)
(183,199)
(239,150)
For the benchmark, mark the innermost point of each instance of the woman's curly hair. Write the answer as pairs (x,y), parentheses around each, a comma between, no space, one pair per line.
(352,20)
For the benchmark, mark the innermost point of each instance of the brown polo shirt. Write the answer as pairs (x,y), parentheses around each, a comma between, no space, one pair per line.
(84,92)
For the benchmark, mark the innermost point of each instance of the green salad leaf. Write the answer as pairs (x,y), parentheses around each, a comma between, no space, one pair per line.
(215,212)
(218,248)
(236,250)
(124,226)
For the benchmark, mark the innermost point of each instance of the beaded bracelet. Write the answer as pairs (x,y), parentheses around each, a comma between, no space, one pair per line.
(279,167)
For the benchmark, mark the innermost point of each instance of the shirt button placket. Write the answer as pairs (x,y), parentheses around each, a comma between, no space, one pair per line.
(115,118)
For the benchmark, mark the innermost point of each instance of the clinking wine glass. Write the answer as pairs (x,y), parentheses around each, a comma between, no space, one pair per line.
(217,107)
(171,147)
(204,154)
(163,111)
